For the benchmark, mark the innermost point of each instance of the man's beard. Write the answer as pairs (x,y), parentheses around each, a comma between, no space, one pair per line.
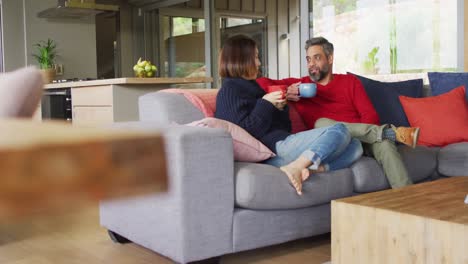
(316,77)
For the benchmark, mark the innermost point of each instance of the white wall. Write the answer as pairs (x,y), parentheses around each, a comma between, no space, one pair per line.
(76,39)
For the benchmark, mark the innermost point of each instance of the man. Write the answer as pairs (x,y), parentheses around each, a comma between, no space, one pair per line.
(342,98)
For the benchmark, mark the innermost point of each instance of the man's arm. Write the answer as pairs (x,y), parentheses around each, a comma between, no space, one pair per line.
(363,104)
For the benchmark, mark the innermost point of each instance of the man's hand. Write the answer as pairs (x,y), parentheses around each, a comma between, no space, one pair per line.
(275,99)
(293,92)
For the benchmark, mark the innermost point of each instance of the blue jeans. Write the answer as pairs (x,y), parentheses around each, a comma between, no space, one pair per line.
(330,146)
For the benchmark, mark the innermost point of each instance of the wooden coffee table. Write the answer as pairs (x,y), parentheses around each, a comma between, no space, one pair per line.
(422,223)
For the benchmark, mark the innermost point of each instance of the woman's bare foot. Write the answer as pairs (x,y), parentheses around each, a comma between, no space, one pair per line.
(295,176)
(321,168)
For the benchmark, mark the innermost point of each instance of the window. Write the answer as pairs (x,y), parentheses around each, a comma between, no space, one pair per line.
(174,36)
(389,36)
(184,54)
(187,25)
(254,28)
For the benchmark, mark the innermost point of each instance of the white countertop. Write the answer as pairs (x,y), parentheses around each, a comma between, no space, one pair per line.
(123,81)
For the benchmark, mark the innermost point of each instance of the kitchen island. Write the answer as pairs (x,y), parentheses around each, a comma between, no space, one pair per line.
(105,101)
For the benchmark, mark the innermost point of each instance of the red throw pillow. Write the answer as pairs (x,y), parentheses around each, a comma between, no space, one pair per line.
(443,119)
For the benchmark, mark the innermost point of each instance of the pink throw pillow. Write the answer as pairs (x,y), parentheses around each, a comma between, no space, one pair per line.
(203,99)
(246,147)
(20,92)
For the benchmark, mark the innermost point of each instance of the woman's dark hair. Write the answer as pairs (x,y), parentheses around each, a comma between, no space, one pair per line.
(237,57)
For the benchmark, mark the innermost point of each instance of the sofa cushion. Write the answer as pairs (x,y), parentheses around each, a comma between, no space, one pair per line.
(453,160)
(384,97)
(368,176)
(421,162)
(246,147)
(262,186)
(443,82)
(443,119)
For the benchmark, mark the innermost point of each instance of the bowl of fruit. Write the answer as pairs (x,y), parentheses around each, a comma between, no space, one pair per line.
(144,69)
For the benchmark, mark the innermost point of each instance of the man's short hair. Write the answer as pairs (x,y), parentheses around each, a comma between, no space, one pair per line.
(320,41)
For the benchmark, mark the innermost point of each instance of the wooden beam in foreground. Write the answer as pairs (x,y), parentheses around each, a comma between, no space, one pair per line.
(53,165)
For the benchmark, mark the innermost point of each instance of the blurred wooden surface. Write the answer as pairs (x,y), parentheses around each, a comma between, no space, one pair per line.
(422,223)
(76,237)
(56,165)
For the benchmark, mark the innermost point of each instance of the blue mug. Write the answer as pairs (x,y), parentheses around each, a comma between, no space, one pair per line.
(307,90)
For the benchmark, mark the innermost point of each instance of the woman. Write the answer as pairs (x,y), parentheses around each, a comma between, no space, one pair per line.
(265,116)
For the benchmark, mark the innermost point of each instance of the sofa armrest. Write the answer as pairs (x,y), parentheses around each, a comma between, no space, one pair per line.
(166,108)
(193,219)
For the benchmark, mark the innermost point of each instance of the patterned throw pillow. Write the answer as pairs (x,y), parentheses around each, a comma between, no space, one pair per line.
(246,147)
(443,119)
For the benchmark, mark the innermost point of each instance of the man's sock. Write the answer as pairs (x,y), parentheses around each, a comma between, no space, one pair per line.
(389,133)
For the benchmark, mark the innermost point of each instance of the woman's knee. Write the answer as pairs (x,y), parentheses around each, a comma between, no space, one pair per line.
(356,146)
(343,131)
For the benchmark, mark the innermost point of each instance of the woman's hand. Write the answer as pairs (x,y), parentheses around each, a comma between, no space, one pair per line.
(275,98)
(292,93)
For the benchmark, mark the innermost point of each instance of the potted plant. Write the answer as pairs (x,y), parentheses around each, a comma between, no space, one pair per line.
(45,56)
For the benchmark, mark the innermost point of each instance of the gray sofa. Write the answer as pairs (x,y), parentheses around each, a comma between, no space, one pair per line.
(216,206)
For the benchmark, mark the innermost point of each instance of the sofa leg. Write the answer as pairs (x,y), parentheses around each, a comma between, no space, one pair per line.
(214,260)
(117,238)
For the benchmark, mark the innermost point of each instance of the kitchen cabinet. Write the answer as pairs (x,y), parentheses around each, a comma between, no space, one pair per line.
(101,102)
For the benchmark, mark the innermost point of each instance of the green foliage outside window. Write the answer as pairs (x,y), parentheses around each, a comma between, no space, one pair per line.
(407,45)
(371,62)
(185,25)
(343,6)
(184,69)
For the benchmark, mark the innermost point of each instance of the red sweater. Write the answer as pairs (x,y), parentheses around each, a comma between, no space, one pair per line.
(342,99)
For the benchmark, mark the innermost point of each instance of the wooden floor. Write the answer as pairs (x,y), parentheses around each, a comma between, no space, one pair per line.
(78,238)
